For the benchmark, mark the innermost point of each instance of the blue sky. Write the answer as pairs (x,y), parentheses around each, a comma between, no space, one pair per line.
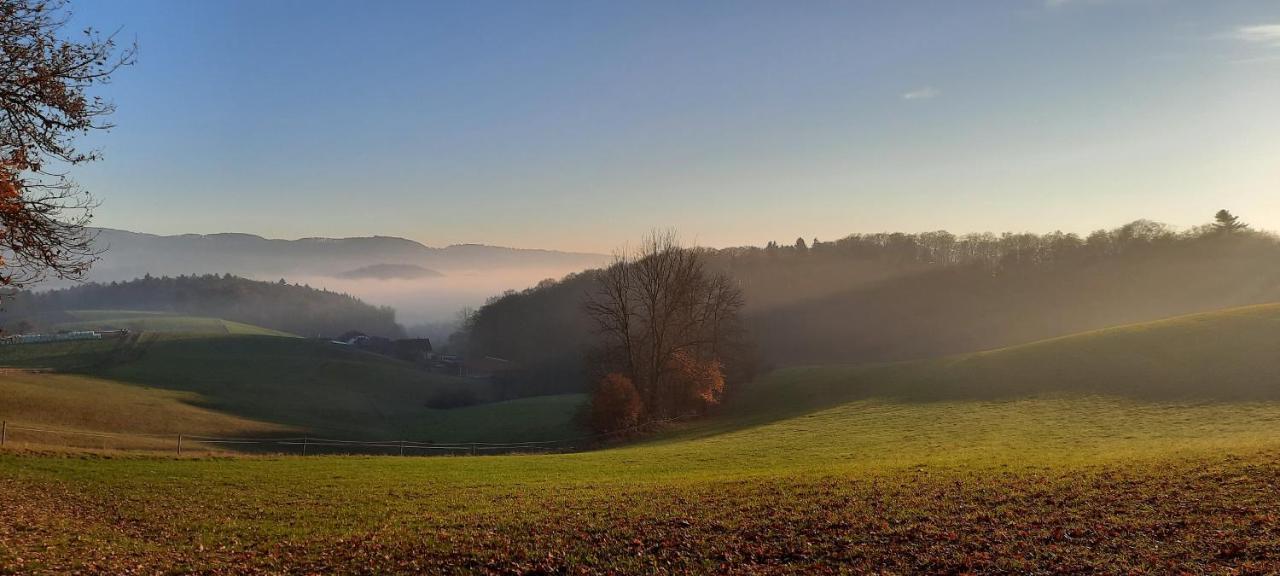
(582,125)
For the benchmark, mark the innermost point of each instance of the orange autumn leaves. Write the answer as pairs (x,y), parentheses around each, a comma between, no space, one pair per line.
(616,404)
(47,82)
(699,384)
(12,206)
(692,384)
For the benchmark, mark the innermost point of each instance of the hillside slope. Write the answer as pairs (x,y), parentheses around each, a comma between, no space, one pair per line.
(897,297)
(1076,455)
(1093,385)
(129,255)
(1193,381)
(145,321)
(245,383)
(1226,355)
(291,308)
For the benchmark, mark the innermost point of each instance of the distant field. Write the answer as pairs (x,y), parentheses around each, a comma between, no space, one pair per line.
(142,321)
(1077,459)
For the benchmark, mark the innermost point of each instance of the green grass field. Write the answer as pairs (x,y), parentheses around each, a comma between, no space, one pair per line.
(88,404)
(144,321)
(1078,455)
(246,382)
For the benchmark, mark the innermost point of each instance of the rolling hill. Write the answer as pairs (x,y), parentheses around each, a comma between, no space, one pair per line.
(291,308)
(211,377)
(145,321)
(467,273)
(897,297)
(1145,388)
(1144,445)
(1225,357)
(1229,355)
(255,256)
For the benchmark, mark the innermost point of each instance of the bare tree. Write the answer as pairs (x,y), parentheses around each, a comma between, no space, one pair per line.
(44,105)
(655,305)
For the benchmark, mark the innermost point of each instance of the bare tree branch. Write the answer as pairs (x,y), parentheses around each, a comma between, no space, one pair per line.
(44,107)
(659,310)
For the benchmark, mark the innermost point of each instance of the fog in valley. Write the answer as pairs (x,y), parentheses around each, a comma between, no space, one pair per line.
(438,299)
(424,284)
(633,288)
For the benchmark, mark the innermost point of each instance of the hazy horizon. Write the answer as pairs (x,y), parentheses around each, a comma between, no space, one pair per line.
(691,240)
(735,123)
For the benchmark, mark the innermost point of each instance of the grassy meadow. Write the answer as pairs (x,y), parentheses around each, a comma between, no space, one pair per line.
(246,382)
(1078,455)
(900,487)
(144,321)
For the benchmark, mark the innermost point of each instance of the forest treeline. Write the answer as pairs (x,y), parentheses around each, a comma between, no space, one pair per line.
(896,296)
(292,308)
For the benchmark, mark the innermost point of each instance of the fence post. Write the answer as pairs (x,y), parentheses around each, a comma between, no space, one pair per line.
(4,431)
(179,444)
(304,445)
(402,447)
(473,448)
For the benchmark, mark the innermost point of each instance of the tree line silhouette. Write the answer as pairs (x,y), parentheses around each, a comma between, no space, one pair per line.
(896,296)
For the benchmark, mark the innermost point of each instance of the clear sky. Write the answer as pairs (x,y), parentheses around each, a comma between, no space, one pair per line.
(582,125)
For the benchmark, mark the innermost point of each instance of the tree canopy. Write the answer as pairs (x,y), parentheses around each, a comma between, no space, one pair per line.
(1225,221)
(666,325)
(47,76)
(300,310)
(890,296)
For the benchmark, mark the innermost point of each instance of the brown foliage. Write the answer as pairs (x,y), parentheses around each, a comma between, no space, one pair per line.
(44,105)
(697,384)
(615,405)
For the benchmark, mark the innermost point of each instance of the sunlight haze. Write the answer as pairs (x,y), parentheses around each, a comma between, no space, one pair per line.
(639,287)
(580,125)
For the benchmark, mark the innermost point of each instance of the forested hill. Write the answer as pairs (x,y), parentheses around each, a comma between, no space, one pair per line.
(882,297)
(126,255)
(293,308)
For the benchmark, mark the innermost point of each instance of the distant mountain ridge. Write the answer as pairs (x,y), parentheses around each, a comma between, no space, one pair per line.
(127,255)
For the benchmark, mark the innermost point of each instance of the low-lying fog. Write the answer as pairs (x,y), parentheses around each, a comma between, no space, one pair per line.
(437,299)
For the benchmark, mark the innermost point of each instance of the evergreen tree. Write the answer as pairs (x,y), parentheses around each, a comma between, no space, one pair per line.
(1226,222)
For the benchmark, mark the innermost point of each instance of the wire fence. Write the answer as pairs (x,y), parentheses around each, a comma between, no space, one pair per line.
(13,433)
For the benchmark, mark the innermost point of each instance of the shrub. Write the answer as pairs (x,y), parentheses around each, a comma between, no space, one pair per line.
(616,404)
(699,384)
